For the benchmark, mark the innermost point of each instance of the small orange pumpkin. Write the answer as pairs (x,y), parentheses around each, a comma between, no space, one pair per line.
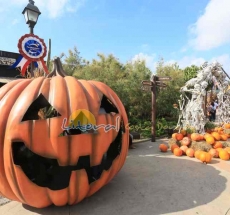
(184,149)
(174,135)
(214,153)
(173,146)
(227,126)
(185,141)
(210,140)
(195,137)
(217,145)
(178,152)
(224,137)
(163,148)
(190,152)
(205,157)
(197,154)
(223,154)
(179,136)
(216,135)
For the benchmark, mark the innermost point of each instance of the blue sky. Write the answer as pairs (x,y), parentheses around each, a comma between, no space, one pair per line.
(183,31)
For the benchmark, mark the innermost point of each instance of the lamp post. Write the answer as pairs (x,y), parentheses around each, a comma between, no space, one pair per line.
(31,13)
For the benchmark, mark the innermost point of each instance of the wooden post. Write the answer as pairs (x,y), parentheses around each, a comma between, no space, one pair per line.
(49,55)
(153,89)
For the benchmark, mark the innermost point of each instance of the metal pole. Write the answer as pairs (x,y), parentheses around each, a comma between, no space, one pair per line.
(225,73)
(32,65)
(31,30)
(153,89)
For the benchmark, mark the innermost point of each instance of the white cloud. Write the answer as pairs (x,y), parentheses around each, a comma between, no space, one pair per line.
(190,60)
(212,29)
(150,61)
(53,8)
(224,60)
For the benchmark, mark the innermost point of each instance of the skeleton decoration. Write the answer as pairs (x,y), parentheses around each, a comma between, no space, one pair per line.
(193,94)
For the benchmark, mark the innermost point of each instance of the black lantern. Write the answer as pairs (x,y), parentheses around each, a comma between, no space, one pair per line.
(31,13)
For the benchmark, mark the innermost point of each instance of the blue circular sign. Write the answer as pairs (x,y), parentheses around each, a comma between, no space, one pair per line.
(33,48)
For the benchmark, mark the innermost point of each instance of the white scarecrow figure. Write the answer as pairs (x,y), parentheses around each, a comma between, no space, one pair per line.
(194,113)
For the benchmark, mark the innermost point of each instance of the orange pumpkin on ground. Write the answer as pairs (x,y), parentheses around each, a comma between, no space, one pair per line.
(216,135)
(210,140)
(197,154)
(217,145)
(185,141)
(184,148)
(195,137)
(224,137)
(214,153)
(173,146)
(178,152)
(44,163)
(223,154)
(174,135)
(227,126)
(163,148)
(179,136)
(190,152)
(205,157)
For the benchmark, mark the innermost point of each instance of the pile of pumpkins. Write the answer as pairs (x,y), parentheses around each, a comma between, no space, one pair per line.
(211,137)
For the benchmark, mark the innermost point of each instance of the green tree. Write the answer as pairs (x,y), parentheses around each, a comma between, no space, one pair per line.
(73,61)
(190,72)
(166,97)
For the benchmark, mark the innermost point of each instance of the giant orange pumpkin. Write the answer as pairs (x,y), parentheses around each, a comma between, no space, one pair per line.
(40,164)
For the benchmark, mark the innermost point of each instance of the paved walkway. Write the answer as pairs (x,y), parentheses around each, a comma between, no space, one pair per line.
(152,183)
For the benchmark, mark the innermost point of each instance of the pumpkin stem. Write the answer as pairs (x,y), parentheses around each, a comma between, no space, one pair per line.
(57,69)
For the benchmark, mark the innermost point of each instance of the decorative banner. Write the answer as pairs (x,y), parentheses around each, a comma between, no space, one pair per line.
(32,49)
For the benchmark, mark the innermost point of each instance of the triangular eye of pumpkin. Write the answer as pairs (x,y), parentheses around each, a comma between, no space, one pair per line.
(107,106)
(40,109)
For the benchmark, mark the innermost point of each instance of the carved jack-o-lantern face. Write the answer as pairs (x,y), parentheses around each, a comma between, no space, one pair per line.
(38,166)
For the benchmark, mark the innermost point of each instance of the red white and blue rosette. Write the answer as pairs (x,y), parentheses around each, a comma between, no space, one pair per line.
(32,49)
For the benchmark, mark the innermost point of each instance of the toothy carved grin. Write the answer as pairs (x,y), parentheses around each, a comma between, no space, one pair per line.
(46,172)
